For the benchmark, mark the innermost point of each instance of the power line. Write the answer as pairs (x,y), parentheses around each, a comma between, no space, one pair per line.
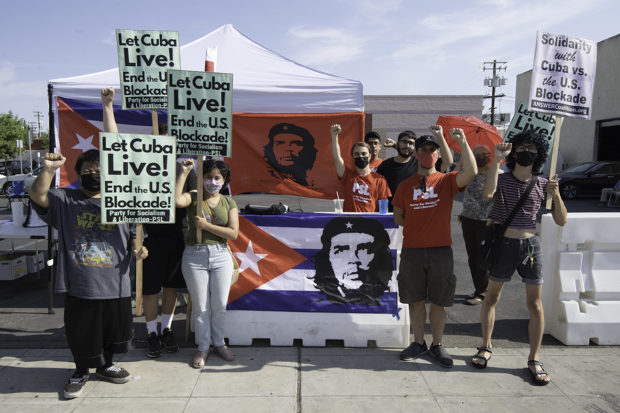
(494,82)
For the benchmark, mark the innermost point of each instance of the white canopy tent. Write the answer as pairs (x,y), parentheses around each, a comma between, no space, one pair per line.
(263,81)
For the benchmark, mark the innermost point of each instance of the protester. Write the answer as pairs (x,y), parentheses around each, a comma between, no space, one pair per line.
(473,220)
(162,273)
(520,248)
(362,187)
(93,268)
(423,206)
(404,165)
(207,265)
(373,139)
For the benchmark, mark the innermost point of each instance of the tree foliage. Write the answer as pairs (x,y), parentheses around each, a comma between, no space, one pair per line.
(12,128)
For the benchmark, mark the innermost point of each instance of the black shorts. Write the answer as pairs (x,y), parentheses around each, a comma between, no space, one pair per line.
(523,255)
(95,326)
(162,268)
(427,273)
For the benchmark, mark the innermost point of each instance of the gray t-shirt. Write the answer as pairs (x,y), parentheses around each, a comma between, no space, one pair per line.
(93,258)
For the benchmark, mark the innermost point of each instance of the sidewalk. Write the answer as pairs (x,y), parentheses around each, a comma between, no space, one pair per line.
(293,379)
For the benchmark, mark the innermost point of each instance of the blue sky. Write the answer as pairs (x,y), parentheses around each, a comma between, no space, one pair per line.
(391,46)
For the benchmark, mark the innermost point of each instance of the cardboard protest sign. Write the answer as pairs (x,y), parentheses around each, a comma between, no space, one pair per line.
(144,56)
(200,112)
(541,123)
(137,178)
(563,75)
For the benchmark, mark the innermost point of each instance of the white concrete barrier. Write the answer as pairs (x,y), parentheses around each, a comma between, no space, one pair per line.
(581,269)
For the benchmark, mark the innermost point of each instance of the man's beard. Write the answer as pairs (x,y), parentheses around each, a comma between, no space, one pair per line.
(403,154)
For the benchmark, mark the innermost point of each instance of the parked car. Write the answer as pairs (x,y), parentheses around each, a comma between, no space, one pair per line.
(17,167)
(588,179)
(6,182)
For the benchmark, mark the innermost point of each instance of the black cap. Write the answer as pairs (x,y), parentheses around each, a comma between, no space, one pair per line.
(424,139)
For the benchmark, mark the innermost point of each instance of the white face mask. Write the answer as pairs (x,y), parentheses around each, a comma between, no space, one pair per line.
(212,186)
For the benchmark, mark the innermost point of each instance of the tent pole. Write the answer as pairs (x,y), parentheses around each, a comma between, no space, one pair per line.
(50,235)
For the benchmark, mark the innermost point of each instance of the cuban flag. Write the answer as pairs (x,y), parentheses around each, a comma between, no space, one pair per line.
(316,262)
(79,124)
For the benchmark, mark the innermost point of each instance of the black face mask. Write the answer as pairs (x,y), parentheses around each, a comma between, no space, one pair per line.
(526,158)
(361,162)
(482,161)
(91,182)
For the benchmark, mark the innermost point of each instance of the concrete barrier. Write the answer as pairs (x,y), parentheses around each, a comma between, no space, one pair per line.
(581,269)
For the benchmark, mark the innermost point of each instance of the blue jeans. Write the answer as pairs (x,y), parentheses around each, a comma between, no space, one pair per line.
(207,270)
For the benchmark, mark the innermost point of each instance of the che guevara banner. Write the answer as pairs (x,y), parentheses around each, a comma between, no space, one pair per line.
(287,154)
(316,262)
(290,153)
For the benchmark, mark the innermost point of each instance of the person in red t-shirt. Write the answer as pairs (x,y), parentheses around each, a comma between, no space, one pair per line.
(362,187)
(373,139)
(423,206)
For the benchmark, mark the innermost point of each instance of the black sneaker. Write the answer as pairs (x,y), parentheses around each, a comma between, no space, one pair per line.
(414,351)
(442,356)
(74,385)
(169,342)
(153,345)
(114,373)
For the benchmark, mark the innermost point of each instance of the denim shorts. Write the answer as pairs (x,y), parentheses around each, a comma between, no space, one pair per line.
(523,255)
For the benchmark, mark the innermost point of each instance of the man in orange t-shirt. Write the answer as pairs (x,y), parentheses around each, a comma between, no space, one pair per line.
(362,187)
(423,206)
(373,139)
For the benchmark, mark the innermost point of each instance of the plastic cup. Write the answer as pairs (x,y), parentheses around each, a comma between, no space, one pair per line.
(383,206)
(338,205)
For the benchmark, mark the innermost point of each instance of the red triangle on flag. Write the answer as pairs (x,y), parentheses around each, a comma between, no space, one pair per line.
(73,130)
(263,252)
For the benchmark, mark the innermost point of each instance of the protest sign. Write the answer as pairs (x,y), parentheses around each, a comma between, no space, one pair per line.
(144,56)
(200,112)
(137,178)
(563,75)
(524,119)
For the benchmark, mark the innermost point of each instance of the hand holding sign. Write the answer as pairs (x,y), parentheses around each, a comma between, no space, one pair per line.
(553,187)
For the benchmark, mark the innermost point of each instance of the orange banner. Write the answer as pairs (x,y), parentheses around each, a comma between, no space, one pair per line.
(290,154)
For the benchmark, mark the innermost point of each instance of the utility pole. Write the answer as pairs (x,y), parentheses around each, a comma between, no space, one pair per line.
(39,116)
(494,82)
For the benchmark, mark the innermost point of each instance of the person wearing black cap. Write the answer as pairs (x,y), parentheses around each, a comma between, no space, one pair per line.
(423,206)
(354,263)
(400,167)
(290,152)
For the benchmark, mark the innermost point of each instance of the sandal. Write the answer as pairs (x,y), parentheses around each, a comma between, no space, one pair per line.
(225,353)
(474,300)
(536,374)
(198,361)
(480,356)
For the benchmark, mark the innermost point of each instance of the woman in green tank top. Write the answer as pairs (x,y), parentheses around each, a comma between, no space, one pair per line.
(207,265)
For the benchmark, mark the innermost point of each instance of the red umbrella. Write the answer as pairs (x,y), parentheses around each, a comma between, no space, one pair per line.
(476,131)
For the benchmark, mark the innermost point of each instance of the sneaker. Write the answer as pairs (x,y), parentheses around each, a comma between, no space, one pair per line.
(74,385)
(442,356)
(114,373)
(169,342)
(153,345)
(414,351)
